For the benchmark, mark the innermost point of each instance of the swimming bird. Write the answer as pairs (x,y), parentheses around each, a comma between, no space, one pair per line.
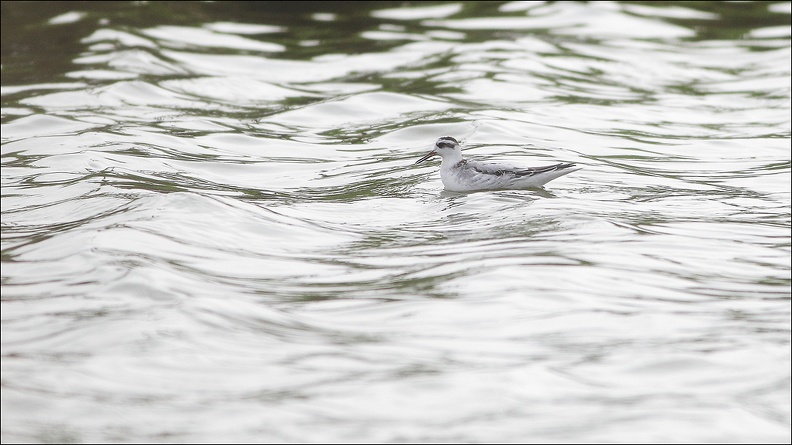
(464,175)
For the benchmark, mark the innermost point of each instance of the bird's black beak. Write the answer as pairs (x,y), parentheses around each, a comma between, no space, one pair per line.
(425,157)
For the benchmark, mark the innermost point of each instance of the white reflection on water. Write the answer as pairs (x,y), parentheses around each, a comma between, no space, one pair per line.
(227,241)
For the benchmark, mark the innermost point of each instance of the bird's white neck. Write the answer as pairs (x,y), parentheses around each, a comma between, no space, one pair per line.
(451,159)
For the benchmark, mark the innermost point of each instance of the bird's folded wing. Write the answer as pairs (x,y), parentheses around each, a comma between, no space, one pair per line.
(500,169)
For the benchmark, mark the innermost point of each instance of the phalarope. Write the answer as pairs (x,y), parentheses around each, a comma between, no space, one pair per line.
(464,175)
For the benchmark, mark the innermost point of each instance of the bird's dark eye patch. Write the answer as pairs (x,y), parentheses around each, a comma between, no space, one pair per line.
(443,144)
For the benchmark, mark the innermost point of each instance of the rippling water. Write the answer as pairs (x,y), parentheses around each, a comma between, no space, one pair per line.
(213,230)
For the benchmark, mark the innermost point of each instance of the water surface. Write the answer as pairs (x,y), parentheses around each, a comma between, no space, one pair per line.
(213,230)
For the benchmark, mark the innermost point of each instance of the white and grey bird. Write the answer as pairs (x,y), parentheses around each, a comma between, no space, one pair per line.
(464,175)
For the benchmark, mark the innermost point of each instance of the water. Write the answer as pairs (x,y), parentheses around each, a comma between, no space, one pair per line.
(213,230)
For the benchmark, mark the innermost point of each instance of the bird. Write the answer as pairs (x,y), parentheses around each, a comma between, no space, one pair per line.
(465,175)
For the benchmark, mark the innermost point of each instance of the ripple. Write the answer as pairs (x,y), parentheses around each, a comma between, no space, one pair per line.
(223,223)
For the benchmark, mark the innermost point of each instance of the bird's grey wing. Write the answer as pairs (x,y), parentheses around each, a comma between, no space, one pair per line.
(530,171)
(489,168)
(501,169)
